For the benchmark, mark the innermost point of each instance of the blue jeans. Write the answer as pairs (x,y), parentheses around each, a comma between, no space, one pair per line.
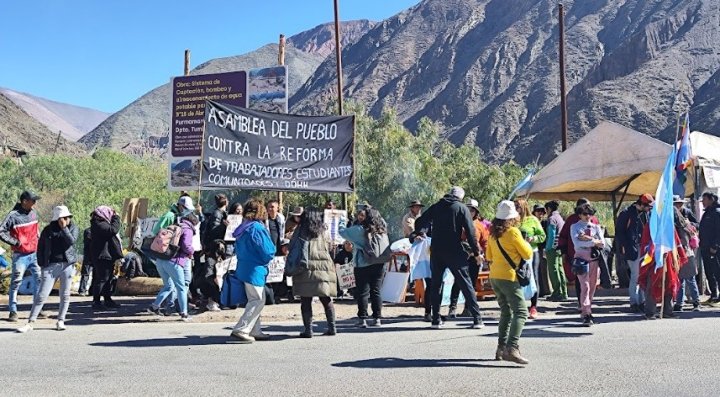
(694,292)
(173,277)
(20,264)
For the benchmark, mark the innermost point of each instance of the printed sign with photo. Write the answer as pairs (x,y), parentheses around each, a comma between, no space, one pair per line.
(332,223)
(233,222)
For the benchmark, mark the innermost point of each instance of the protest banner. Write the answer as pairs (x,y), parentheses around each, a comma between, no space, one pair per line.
(345,275)
(262,89)
(249,149)
(332,222)
(276,270)
(233,222)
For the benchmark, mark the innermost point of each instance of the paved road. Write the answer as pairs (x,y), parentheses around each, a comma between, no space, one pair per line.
(619,356)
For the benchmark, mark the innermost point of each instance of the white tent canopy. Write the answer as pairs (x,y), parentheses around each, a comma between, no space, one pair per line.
(610,162)
(706,154)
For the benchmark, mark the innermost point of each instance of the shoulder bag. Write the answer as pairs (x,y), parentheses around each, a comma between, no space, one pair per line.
(523,270)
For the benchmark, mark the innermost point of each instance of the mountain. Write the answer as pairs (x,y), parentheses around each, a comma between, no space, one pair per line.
(19,130)
(141,127)
(73,121)
(487,70)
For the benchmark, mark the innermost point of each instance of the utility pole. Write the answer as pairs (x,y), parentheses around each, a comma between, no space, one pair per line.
(187,63)
(338,63)
(281,61)
(563,89)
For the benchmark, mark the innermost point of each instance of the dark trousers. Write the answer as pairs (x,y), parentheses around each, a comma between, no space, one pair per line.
(102,272)
(712,271)
(85,273)
(306,305)
(473,270)
(208,287)
(368,281)
(462,278)
(428,299)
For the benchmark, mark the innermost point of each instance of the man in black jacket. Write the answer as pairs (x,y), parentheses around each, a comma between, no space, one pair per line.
(449,217)
(710,243)
(628,230)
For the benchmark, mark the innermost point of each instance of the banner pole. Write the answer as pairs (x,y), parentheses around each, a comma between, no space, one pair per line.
(202,161)
(281,62)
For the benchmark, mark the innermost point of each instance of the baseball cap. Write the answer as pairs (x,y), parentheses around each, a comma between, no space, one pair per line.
(458,192)
(28,195)
(646,199)
(472,203)
(186,201)
(538,207)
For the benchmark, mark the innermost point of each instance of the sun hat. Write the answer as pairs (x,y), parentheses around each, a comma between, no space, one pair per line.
(60,211)
(297,211)
(472,203)
(506,210)
(678,199)
(416,202)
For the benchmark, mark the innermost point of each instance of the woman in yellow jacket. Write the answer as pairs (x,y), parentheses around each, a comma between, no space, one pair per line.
(533,232)
(513,308)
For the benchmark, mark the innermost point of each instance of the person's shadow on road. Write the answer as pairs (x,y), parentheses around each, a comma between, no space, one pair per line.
(395,362)
(188,340)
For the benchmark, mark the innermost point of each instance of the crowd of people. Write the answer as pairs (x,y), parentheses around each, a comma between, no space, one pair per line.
(509,248)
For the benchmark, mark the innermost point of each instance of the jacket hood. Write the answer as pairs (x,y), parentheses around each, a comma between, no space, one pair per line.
(449,199)
(242,229)
(189,225)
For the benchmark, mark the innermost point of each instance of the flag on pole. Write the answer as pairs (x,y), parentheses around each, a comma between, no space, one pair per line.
(662,225)
(525,183)
(684,157)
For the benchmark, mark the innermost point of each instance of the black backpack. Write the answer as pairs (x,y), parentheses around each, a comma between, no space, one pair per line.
(377,249)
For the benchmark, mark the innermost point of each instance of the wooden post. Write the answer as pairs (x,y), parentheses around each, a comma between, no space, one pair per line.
(57,143)
(187,63)
(563,89)
(281,61)
(338,63)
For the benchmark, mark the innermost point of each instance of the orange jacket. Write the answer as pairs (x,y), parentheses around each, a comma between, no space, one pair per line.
(481,233)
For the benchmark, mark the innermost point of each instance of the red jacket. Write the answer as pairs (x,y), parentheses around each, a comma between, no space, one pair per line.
(20,230)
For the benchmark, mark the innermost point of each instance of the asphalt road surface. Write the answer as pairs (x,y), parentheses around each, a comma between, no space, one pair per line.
(621,355)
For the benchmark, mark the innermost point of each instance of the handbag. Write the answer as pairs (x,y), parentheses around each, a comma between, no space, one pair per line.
(298,256)
(523,270)
(580,266)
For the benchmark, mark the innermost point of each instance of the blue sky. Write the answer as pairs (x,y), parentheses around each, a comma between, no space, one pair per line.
(104,54)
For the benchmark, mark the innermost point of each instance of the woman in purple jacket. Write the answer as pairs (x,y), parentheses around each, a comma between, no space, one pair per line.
(172,271)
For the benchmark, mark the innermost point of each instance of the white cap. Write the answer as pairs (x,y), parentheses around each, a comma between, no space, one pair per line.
(186,202)
(506,210)
(458,192)
(60,211)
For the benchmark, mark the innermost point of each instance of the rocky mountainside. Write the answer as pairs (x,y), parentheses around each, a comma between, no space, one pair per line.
(138,127)
(487,70)
(18,130)
(321,39)
(73,121)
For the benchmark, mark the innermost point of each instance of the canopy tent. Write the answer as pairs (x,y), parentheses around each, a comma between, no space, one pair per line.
(609,163)
(705,148)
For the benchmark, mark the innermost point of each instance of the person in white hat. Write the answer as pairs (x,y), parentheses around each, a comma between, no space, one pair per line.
(57,257)
(506,242)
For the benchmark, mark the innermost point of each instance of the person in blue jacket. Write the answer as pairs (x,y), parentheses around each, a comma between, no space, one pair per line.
(254,250)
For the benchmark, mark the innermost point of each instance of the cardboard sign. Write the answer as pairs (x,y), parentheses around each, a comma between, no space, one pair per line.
(277,270)
(332,223)
(132,210)
(233,222)
(345,275)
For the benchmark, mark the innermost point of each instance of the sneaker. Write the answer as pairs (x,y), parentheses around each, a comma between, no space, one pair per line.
(241,338)
(437,324)
(185,318)
(427,318)
(213,307)
(587,321)
(677,308)
(696,307)
(60,326)
(452,313)
(154,311)
(477,324)
(376,322)
(512,354)
(361,323)
(43,314)
(533,313)
(13,317)
(25,328)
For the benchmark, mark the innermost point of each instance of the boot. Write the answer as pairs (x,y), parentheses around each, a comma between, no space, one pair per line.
(307,322)
(512,354)
(330,316)
(499,352)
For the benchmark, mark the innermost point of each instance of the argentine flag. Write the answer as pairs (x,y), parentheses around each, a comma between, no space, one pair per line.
(662,225)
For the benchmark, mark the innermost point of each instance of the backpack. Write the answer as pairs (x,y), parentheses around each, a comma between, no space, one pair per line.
(377,249)
(166,244)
